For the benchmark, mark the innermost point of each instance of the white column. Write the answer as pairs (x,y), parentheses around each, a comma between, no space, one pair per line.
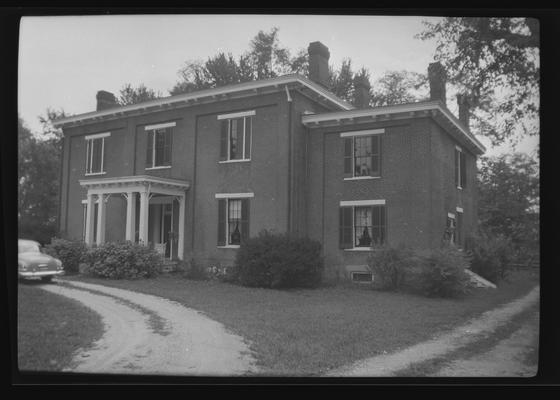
(101,220)
(90,212)
(130,216)
(143,223)
(181,238)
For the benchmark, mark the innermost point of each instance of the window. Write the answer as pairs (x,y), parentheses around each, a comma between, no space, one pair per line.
(235,137)
(460,169)
(362,226)
(459,228)
(95,149)
(450,229)
(362,277)
(233,219)
(158,153)
(362,153)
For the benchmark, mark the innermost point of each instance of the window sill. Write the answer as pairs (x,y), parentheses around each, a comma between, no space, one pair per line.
(95,173)
(234,161)
(359,249)
(359,178)
(229,246)
(162,167)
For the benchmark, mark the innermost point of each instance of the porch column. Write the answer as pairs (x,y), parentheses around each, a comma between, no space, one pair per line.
(181,239)
(130,216)
(143,224)
(101,219)
(90,212)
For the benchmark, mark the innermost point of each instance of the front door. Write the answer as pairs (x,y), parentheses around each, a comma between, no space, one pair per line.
(166,227)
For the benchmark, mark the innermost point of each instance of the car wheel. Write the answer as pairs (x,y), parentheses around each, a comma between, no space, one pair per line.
(46,279)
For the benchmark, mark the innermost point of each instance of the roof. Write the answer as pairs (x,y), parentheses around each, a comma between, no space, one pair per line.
(436,109)
(291,81)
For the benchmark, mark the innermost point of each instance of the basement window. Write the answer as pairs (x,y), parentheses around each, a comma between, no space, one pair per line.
(362,277)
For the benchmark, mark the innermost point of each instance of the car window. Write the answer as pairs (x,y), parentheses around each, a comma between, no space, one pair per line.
(28,247)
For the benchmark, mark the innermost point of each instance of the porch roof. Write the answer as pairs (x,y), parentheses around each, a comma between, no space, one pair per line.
(136,183)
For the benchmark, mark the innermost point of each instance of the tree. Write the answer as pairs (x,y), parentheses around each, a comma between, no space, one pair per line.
(341,80)
(134,95)
(495,61)
(397,87)
(508,187)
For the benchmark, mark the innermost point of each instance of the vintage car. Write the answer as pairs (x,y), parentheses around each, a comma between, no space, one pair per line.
(32,263)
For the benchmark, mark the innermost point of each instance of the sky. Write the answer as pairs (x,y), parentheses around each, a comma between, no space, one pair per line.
(64,61)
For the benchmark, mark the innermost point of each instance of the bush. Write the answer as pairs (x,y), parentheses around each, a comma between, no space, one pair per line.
(70,252)
(443,273)
(195,271)
(389,266)
(491,255)
(279,261)
(125,260)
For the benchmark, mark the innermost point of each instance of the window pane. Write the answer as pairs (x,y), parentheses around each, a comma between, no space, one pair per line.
(362,226)
(96,154)
(160,145)
(362,156)
(234,221)
(236,139)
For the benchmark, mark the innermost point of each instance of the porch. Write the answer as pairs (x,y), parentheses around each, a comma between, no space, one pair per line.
(155,211)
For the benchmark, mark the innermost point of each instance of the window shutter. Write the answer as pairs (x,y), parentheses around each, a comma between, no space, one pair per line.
(149,149)
(248,133)
(167,146)
(463,170)
(222,203)
(88,156)
(457,167)
(244,220)
(224,140)
(376,155)
(348,157)
(345,229)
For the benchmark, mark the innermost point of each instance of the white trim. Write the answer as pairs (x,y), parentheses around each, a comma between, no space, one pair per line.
(362,133)
(357,203)
(459,209)
(357,178)
(85,201)
(168,199)
(233,161)
(160,126)
(95,173)
(229,246)
(234,195)
(451,215)
(160,167)
(458,148)
(97,136)
(359,249)
(237,114)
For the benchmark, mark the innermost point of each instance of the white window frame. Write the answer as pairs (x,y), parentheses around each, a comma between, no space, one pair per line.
(353,135)
(232,116)
(228,197)
(360,203)
(89,146)
(154,129)
(458,166)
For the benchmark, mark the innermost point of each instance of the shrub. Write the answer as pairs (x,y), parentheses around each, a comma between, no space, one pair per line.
(279,261)
(70,252)
(195,271)
(443,273)
(389,266)
(491,255)
(124,260)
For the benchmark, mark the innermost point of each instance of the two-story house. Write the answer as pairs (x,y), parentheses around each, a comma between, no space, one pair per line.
(197,173)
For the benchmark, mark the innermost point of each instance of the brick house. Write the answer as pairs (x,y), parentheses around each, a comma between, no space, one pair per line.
(195,174)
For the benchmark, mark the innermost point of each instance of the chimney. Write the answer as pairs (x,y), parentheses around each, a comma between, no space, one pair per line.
(105,100)
(319,63)
(464,103)
(437,77)
(361,91)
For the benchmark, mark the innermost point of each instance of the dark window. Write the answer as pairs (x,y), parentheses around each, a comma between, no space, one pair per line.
(459,230)
(362,156)
(94,156)
(159,144)
(362,276)
(233,221)
(236,139)
(362,226)
(460,169)
(450,233)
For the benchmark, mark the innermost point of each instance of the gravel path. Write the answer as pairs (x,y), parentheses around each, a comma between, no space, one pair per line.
(391,364)
(183,342)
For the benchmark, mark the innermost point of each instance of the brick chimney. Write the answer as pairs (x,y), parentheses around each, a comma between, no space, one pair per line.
(105,100)
(437,77)
(361,92)
(319,63)
(464,103)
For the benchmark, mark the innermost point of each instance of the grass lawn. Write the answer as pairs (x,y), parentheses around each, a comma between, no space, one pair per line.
(307,332)
(51,327)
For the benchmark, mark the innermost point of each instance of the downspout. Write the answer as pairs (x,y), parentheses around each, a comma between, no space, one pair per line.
(290,159)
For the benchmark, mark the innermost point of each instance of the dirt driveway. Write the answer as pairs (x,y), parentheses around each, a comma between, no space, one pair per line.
(146,334)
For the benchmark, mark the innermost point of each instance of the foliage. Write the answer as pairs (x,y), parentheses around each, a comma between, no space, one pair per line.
(508,187)
(397,87)
(194,270)
(490,255)
(38,178)
(134,95)
(389,266)
(70,252)
(495,61)
(279,261)
(443,273)
(124,260)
